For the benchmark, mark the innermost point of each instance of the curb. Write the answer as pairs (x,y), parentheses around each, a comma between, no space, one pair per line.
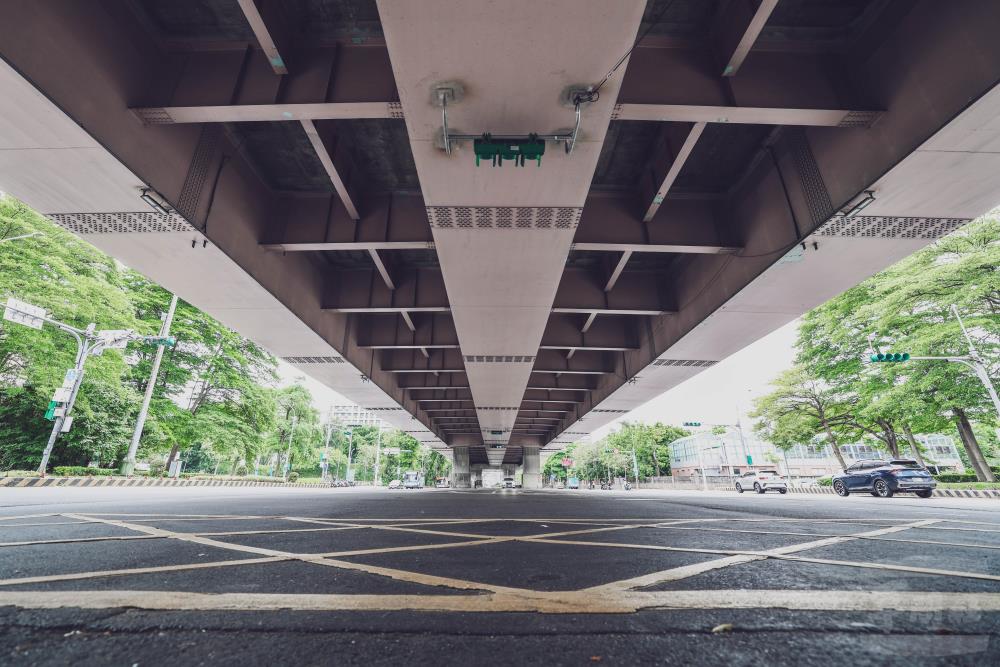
(827,490)
(145,481)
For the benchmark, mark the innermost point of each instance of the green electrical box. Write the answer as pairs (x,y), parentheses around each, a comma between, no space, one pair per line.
(508,148)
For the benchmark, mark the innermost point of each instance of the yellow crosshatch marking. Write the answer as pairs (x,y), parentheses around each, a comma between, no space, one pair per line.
(621,596)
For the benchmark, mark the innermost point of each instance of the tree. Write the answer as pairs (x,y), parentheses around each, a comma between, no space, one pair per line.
(800,408)
(907,307)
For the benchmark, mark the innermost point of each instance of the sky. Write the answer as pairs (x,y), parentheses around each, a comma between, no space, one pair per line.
(714,396)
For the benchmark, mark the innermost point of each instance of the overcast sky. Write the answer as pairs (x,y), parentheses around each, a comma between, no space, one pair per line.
(712,396)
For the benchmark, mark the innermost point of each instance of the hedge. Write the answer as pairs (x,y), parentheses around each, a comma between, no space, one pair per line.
(83,471)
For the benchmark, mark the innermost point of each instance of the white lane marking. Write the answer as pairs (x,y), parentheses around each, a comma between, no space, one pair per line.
(551,602)
(674,574)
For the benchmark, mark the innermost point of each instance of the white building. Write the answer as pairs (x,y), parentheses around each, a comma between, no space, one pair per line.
(355,415)
(726,455)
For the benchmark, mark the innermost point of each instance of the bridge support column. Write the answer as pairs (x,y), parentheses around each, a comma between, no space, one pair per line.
(532,470)
(460,478)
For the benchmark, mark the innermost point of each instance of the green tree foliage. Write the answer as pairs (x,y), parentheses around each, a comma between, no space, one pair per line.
(612,457)
(906,308)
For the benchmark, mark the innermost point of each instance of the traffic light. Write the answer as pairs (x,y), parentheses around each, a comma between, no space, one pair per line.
(692,423)
(890,357)
(166,341)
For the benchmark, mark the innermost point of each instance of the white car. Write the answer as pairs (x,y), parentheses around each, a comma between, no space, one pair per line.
(761,481)
(395,484)
(508,483)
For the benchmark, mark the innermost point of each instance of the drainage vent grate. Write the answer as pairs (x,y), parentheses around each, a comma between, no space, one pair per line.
(890,227)
(504,217)
(498,359)
(612,412)
(698,363)
(121,223)
(382,409)
(494,408)
(313,360)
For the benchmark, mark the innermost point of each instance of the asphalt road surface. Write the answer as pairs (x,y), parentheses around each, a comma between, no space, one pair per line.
(219,576)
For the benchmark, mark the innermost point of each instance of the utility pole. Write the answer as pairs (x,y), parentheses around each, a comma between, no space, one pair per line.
(326,451)
(350,448)
(288,453)
(128,465)
(378,452)
(89,342)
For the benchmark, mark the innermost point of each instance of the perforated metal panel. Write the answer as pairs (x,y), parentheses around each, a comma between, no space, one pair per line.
(494,408)
(699,363)
(817,195)
(145,222)
(890,227)
(498,359)
(504,217)
(313,360)
(612,412)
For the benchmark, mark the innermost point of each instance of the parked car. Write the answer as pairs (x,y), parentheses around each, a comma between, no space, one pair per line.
(441,483)
(573,483)
(761,481)
(883,478)
(395,484)
(508,483)
(413,479)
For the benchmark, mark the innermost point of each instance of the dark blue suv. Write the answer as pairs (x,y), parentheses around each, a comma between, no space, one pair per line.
(884,478)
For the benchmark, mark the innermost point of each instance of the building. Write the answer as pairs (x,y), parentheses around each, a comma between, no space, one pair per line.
(355,415)
(727,455)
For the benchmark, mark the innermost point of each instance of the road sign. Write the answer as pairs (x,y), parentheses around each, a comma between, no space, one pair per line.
(70,378)
(61,395)
(24,313)
(749,460)
(67,425)
(567,463)
(50,413)
(114,339)
(391,450)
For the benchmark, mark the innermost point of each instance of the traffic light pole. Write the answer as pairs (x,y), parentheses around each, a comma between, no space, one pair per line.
(128,465)
(83,350)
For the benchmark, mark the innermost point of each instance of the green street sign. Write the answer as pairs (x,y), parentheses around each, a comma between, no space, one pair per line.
(50,414)
(749,460)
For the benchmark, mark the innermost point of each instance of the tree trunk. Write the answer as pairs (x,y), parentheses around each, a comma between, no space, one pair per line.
(172,454)
(979,463)
(889,438)
(834,445)
(656,461)
(914,446)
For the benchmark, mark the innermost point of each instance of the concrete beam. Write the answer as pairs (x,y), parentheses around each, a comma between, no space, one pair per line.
(679,157)
(708,113)
(736,28)
(264,39)
(326,159)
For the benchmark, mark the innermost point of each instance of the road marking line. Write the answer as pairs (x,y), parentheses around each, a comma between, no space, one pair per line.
(138,570)
(674,574)
(552,602)
(67,540)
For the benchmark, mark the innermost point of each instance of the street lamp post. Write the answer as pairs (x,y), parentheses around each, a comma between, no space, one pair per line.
(288,453)
(128,465)
(89,342)
(378,452)
(350,447)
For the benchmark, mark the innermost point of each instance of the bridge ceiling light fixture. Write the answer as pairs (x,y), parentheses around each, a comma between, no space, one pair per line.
(155,200)
(866,200)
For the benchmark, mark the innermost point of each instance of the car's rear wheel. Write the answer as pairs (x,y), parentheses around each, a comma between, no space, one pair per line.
(924,494)
(841,489)
(757,487)
(882,489)
(739,489)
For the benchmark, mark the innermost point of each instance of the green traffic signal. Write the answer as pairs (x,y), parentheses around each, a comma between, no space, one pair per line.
(692,423)
(890,357)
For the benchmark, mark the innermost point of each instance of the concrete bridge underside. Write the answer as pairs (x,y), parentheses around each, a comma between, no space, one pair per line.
(747,161)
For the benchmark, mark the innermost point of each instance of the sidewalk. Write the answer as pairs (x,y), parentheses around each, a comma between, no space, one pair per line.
(146,481)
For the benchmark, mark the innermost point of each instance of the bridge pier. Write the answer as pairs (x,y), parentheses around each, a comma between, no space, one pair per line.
(532,470)
(460,477)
